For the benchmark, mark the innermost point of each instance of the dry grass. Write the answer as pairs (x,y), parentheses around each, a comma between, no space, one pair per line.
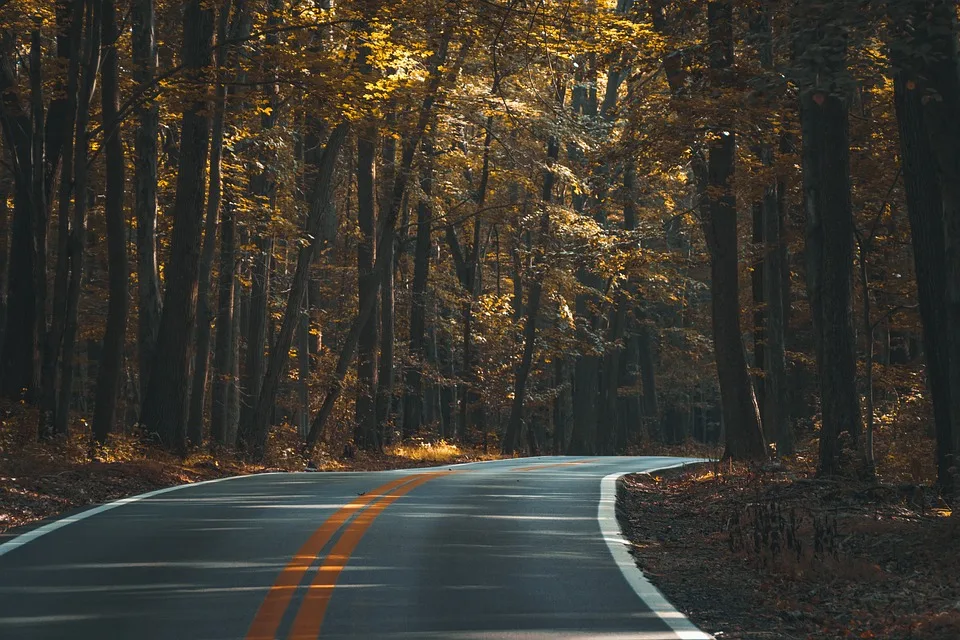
(42,479)
(441,452)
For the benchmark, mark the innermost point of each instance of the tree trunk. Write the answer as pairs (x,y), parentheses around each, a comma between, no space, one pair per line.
(165,403)
(776,419)
(365,434)
(201,359)
(511,438)
(303,373)
(413,402)
(944,135)
(225,351)
(78,232)
(611,439)
(4,256)
(149,306)
(586,375)
(826,185)
(111,363)
(248,436)
(647,360)
(320,197)
(35,149)
(744,434)
(384,398)
(920,125)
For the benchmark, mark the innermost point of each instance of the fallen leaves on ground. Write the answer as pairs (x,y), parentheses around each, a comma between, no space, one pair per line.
(778,554)
(40,480)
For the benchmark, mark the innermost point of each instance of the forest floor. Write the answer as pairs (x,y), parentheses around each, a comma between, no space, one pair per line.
(43,480)
(778,554)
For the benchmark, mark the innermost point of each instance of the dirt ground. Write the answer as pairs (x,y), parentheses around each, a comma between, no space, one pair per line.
(42,480)
(778,554)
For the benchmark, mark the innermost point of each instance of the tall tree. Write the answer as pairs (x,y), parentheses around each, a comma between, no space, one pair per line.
(511,438)
(413,401)
(740,413)
(149,300)
(924,54)
(111,362)
(825,124)
(164,410)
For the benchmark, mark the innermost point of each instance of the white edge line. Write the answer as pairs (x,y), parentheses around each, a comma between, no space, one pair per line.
(50,527)
(619,549)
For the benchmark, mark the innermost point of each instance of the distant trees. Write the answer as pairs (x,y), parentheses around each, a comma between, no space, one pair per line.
(534,226)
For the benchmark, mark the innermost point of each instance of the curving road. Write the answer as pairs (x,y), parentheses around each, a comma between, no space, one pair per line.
(511,549)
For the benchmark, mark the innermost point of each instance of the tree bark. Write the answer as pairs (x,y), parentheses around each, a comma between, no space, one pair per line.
(365,434)
(414,399)
(744,440)
(201,360)
(144,45)
(826,185)
(916,84)
(248,435)
(384,398)
(776,419)
(225,351)
(165,403)
(35,148)
(4,256)
(111,362)
(78,232)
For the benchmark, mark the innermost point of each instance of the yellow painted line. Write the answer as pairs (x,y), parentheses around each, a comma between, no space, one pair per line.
(270,614)
(537,467)
(309,619)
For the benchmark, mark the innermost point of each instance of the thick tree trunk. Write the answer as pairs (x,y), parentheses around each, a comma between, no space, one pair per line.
(744,439)
(201,351)
(925,210)
(78,232)
(111,363)
(165,403)
(149,306)
(926,164)
(826,185)
(944,134)
(413,402)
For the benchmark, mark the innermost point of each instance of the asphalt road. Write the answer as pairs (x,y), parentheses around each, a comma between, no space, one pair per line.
(511,549)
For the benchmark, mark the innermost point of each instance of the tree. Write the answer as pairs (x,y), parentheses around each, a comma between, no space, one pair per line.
(824,113)
(740,413)
(164,411)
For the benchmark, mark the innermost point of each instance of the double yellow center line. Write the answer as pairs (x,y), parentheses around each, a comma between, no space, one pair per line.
(313,609)
(310,616)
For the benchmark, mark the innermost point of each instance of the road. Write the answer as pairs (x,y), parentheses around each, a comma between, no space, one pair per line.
(503,550)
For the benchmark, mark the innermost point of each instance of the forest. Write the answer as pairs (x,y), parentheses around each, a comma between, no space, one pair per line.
(529,226)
